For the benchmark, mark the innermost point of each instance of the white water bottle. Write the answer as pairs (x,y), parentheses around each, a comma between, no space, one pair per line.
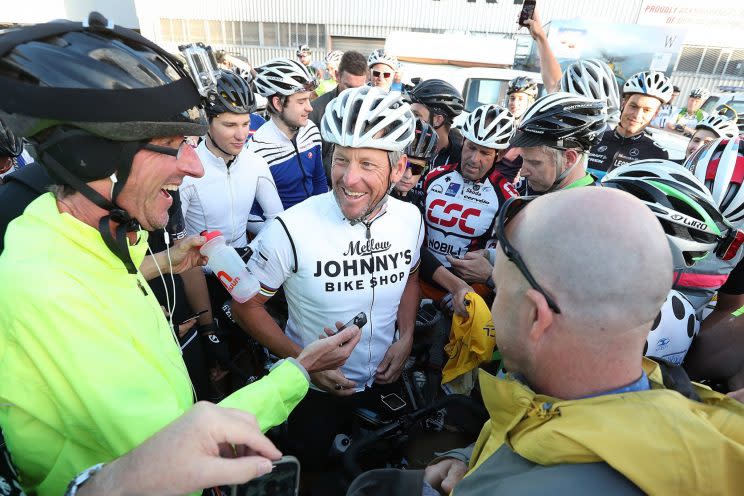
(229,267)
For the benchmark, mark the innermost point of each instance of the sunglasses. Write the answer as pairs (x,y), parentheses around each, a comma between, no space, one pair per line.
(416,169)
(167,150)
(508,211)
(381,74)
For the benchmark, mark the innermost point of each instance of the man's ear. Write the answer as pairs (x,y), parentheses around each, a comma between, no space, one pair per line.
(572,156)
(541,317)
(399,169)
(437,121)
(276,102)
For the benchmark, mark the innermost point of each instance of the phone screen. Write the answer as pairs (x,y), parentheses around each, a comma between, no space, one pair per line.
(283,480)
(528,9)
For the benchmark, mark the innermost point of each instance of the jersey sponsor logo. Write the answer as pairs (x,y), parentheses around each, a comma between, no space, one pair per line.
(367,258)
(310,155)
(446,248)
(437,189)
(509,187)
(633,152)
(449,215)
(602,148)
(452,189)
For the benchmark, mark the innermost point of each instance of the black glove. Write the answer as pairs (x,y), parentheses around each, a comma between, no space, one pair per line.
(215,345)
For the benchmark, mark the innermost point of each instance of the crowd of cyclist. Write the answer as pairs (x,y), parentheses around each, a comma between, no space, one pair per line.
(353,192)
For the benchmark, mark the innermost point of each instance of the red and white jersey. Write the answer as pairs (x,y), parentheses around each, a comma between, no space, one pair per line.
(460,214)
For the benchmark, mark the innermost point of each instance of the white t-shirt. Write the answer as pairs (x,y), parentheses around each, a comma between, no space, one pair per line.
(331,271)
(223,197)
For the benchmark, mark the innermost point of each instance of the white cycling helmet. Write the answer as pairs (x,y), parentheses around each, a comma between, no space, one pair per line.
(380,56)
(594,79)
(673,330)
(333,58)
(660,168)
(491,126)
(700,93)
(651,83)
(283,76)
(722,126)
(719,165)
(367,117)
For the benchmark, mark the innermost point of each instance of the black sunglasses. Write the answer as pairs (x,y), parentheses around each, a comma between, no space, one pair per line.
(167,150)
(508,211)
(416,169)
(385,75)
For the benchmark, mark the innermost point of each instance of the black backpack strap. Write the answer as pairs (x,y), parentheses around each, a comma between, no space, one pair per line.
(676,379)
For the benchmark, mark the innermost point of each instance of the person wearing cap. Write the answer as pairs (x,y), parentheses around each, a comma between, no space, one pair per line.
(329,82)
(90,365)
(289,141)
(320,251)
(709,129)
(666,111)
(643,95)
(687,118)
(305,56)
(383,69)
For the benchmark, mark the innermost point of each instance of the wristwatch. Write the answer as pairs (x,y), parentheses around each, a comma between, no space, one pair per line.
(83,477)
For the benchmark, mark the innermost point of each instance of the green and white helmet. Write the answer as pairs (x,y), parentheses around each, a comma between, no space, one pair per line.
(692,222)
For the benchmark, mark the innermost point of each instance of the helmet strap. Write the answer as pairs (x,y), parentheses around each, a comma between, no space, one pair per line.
(220,148)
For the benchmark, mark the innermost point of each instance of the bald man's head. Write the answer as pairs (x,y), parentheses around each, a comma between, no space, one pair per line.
(600,253)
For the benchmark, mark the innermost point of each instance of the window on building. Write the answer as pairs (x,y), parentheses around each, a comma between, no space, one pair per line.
(270,34)
(232,33)
(735,66)
(710,60)
(166,31)
(197,31)
(249,32)
(215,32)
(689,59)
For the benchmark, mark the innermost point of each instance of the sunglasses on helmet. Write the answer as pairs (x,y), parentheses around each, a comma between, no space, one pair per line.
(508,211)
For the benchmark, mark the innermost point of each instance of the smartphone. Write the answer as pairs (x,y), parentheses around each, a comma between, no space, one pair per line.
(193,317)
(392,401)
(360,320)
(283,480)
(528,10)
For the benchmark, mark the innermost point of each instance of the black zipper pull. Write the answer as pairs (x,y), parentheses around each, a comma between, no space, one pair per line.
(144,291)
(369,234)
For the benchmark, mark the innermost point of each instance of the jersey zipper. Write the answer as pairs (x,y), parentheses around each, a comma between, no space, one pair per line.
(302,169)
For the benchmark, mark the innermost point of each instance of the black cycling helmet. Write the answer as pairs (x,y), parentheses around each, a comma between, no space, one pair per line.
(91,95)
(10,144)
(439,96)
(522,84)
(424,142)
(232,95)
(562,120)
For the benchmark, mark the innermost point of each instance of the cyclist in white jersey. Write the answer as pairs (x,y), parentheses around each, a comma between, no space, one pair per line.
(233,176)
(353,249)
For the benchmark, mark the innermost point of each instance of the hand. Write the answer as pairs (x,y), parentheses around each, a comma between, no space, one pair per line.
(445,474)
(738,395)
(331,352)
(185,456)
(455,302)
(535,26)
(473,268)
(186,255)
(392,363)
(334,382)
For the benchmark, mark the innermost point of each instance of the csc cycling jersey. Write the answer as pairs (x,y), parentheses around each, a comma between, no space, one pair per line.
(614,150)
(331,270)
(460,214)
(223,197)
(296,164)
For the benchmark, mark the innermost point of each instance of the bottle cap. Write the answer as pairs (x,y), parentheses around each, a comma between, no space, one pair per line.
(210,235)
